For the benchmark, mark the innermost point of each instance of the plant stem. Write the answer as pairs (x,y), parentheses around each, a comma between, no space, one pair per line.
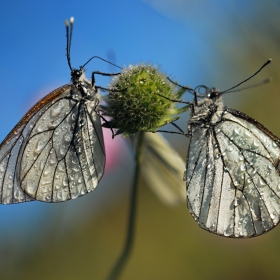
(122,260)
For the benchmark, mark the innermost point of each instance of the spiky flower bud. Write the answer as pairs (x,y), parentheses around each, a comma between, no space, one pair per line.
(135,101)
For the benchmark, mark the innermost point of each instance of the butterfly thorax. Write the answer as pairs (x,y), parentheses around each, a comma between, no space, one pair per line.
(208,111)
(82,88)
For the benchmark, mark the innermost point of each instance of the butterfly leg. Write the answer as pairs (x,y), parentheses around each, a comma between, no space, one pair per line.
(101,116)
(102,74)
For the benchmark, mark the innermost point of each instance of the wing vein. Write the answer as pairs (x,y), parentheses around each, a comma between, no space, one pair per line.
(92,121)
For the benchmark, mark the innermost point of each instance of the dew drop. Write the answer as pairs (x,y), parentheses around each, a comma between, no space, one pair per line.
(76,168)
(236,183)
(82,122)
(262,182)
(67,137)
(47,171)
(44,190)
(40,145)
(62,150)
(256,143)
(52,160)
(46,181)
(242,167)
(61,168)
(248,134)
(237,130)
(30,186)
(55,110)
(40,128)
(270,166)
(254,171)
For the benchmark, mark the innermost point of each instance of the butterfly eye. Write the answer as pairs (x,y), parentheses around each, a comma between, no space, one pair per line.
(213,92)
(76,75)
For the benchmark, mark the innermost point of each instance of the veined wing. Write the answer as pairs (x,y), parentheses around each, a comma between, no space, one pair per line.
(64,156)
(10,191)
(237,168)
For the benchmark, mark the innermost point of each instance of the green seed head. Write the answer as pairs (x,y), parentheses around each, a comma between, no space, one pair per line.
(135,101)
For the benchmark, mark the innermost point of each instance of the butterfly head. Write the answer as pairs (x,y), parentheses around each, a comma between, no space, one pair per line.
(204,109)
(205,92)
(212,93)
(76,75)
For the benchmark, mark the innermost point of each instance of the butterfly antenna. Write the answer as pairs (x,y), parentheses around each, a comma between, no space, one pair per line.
(269,60)
(103,60)
(265,81)
(69,39)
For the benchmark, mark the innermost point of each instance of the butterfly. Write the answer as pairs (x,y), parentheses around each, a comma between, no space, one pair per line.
(56,152)
(232,171)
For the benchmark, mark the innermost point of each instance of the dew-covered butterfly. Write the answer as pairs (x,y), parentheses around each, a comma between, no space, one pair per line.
(56,151)
(232,172)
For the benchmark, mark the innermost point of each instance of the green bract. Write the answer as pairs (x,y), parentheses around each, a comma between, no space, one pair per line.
(135,101)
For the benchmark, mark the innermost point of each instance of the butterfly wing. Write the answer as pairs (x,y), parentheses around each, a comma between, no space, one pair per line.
(10,191)
(233,183)
(62,154)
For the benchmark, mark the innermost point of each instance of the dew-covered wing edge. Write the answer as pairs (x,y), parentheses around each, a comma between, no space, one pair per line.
(249,119)
(10,148)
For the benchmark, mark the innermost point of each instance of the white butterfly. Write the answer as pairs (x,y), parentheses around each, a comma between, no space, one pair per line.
(56,152)
(232,173)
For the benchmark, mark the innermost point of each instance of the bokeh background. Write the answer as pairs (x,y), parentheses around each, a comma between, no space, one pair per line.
(215,43)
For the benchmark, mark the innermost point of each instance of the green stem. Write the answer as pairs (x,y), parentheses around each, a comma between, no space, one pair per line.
(119,266)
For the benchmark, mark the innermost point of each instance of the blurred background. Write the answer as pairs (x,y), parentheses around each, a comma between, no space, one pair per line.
(214,43)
